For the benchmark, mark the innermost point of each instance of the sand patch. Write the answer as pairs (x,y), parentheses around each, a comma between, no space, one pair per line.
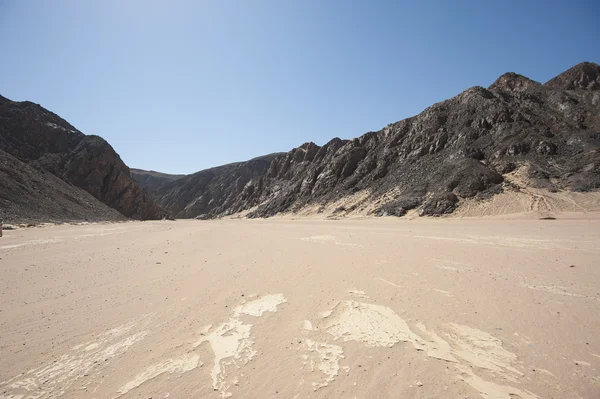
(326,239)
(319,239)
(31,242)
(307,325)
(358,293)
(511,242)
(374,325)
(476,348)
(182,365)
(555,290)
(490,390)
(53,380)
(232,344)
(379,326)
(389,282)
(449,268)
(267,303)
(480,349)
(437,347)
(325,358)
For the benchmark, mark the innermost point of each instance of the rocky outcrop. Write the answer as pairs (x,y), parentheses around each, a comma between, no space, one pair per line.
(49,144)
(31,195)
(456,149)
(584,76)
(150,180)
(217,191)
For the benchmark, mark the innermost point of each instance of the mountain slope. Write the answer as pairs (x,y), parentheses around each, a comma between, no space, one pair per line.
(221,190)
(47,143)
(30,195)
(454,150)
(150,180)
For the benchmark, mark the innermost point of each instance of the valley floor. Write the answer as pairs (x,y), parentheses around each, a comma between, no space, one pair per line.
(374,308)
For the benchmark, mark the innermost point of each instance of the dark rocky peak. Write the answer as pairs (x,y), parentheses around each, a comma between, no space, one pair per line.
(511,81)
(268,157)
(45,141)
(305,153)
(30,131)
(585,75)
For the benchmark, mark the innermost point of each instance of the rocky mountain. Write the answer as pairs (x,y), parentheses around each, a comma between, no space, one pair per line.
(222,190)
(52,170)
(150,180)
(30,195)
(454,150)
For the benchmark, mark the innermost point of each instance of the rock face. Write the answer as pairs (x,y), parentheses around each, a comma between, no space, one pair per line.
(49,145)
(456,149)
(30,195)
(150,180)
(217,191)
(585,76)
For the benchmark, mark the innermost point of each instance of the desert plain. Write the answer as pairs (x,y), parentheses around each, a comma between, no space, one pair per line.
(279,308)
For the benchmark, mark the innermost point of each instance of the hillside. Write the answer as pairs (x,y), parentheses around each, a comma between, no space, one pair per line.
(222,190)
(463,149)
(150,180)
(52,171)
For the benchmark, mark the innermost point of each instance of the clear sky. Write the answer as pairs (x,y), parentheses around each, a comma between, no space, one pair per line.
(179,86)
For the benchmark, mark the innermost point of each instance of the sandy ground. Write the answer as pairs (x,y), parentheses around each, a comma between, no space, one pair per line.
(376,308)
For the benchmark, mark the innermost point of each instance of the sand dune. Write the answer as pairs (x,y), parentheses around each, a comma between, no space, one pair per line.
(383,308)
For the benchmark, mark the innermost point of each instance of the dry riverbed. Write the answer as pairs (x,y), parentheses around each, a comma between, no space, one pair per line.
(374,308)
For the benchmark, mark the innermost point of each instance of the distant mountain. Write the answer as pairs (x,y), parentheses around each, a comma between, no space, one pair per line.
(454,150)
(221,190)
(150,180)
(52,171)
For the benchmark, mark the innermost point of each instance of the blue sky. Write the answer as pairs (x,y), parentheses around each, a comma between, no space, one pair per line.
(179,86)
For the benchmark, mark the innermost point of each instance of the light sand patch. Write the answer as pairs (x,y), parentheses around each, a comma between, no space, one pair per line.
(546,372)
(92,346)
(446,293)
(490,390)
(358,293)
(555,290)
(182,365)
(511,242)
(53,380)
(257,307)
(307,325)
(325,358)
(437,347)
(374,325)
(326,239)
(31,242)
(377,325)
(389,282)
(449,268)
(232,344)
(480,349)
(582,363)
(477,349)
(321,238)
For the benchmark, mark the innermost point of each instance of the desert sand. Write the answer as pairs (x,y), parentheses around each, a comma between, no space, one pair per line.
(373,308)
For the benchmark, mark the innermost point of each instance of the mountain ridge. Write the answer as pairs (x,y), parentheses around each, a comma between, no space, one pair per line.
(454,150)
(33,136)
(461,149)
